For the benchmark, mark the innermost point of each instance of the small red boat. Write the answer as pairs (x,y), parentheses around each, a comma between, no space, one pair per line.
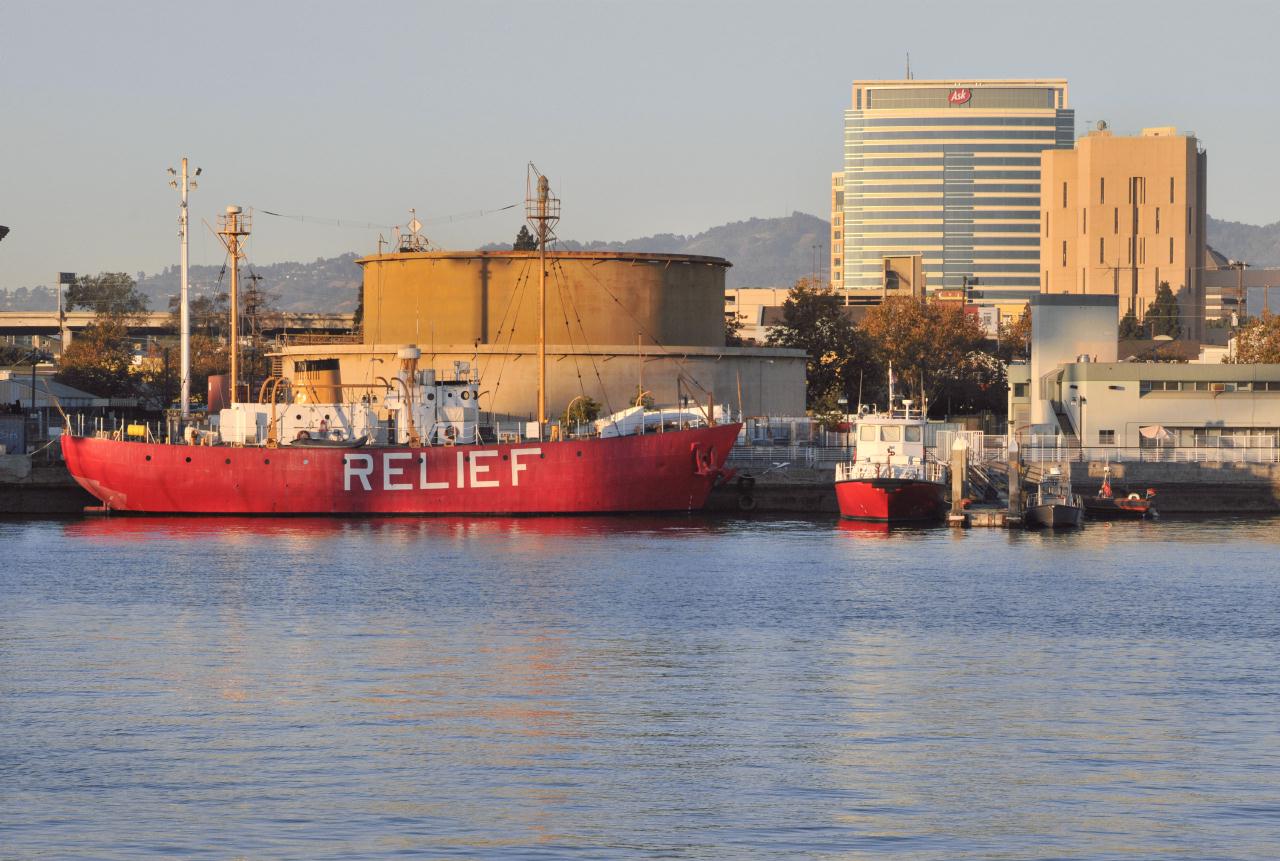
(1107,506)
(891,478)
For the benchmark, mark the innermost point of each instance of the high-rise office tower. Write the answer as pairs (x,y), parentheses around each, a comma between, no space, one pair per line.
(942,179)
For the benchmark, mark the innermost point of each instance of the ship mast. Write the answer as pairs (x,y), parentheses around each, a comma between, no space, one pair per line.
(542,212)
(234,225)
(184,184)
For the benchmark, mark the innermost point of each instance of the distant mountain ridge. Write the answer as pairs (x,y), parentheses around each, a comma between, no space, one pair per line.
(1257,245)
(765,252)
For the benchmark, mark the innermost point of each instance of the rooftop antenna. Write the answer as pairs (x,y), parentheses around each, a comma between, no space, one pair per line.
(413,240)
(236,223)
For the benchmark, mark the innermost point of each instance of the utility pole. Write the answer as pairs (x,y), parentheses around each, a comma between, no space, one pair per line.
(234,224)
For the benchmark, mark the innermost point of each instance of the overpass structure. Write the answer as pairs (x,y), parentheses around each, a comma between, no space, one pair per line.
(47,323)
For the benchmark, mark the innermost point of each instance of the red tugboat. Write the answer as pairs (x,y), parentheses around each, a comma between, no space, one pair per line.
(412,445)
(891,478)
(1107,506)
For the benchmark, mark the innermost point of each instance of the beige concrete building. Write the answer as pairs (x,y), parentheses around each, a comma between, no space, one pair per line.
(837,230)
(1121,214)
(615,322)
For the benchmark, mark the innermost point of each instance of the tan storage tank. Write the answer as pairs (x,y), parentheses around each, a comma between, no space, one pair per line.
(592,298)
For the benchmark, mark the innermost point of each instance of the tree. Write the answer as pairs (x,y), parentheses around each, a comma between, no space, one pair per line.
(1015,336)
(813,320)
(525,241)
(100,361)
(1258,341)
(1162,313)
(733,324)
(112,294)
(1130,328)
(581,410)
(927,342)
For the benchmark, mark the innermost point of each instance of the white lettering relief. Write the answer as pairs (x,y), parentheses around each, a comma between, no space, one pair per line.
(478,469)
(390,471)
(462,476)
(349,470)
(516,466)
(422,478)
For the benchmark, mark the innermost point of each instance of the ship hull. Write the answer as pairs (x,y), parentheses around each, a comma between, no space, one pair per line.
(671,471)
(890,500)
(1107,508)
(1054,516)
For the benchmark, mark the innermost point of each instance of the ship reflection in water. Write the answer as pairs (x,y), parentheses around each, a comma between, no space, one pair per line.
(635,687)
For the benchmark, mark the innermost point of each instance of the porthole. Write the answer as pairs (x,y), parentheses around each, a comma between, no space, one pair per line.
(431,396)
(266,460)
(149,457)
(579,454)
(298,417)
(466,394)
(188,460)
(228,461)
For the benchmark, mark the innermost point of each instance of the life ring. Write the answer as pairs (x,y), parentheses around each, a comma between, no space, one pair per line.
(746,502)
(1134,497)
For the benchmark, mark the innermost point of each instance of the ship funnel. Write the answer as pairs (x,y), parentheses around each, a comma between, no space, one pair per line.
(317,381)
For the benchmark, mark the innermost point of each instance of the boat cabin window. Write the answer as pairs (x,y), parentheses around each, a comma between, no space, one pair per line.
(913,433)
(891,433)
(867,433)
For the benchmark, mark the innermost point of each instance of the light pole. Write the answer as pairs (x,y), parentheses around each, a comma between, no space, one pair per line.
(184,184)
(64,334)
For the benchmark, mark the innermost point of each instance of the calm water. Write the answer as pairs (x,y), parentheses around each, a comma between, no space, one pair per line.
(637,688)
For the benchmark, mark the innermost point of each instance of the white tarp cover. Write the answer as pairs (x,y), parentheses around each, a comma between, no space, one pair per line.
(1155,432)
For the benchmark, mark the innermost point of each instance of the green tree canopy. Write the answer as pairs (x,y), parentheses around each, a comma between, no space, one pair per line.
(1162,313)
(100,361)
(525,240)
(1130,328)
(111,294)
(814,320)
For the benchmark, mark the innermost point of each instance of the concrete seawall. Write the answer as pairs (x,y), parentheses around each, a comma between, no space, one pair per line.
(37,488)
(1190,488)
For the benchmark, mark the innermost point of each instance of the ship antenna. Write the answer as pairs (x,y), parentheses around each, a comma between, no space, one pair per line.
(542,212)
(234,224)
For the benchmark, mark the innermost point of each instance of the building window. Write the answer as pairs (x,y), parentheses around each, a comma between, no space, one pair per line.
(1046,223)
(1102,249)
(1020,390)
(837,234)
(1115,228)
(1171,189)
(1170,249)
(1064,252)
(1064,195)
(1129,249)
(1084,220)
(1157,219)
(1102,189)
(1106,437)
(1188,221)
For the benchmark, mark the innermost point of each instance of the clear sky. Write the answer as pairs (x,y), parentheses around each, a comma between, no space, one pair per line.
(649,116)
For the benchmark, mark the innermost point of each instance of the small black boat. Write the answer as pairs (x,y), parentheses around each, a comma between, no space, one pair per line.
(1054,506)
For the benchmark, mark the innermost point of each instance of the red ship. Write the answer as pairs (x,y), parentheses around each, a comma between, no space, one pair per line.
(891,478)
(309,454)
(671,470)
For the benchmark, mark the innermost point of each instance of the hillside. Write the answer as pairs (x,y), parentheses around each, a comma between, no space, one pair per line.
(765,252)
(1257,245)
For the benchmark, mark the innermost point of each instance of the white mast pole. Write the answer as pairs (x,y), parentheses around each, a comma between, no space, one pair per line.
(184,302)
